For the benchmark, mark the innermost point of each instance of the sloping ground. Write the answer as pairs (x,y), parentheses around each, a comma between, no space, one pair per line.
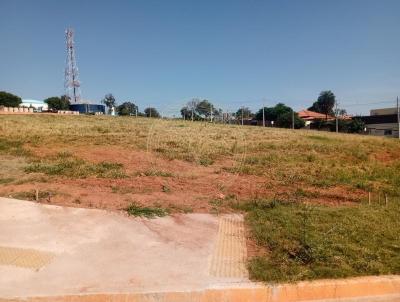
(184,167)
(110,162)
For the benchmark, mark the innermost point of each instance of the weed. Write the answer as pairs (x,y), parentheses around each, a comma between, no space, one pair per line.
(180,208)
(74,167)
(148,212)
(166,189)
(12,147)
(31,195)
(7,180)
(155,172)
(310,242)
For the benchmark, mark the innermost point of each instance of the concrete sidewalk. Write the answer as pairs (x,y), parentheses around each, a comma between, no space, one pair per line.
(59,254)
(49,250)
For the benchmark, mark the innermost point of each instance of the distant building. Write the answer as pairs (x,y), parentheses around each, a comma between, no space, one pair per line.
(311,116)
(88,108)
(37,105)
(382,122)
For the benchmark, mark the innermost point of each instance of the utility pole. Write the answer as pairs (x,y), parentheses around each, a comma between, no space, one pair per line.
(211,114)
(192,113)
(136,110)
(292,119)
(398,118)
(263,115)
(336,113)
(242,115)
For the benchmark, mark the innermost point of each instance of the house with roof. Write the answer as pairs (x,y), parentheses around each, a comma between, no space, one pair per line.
(382,122)
(38,105)
(311,116)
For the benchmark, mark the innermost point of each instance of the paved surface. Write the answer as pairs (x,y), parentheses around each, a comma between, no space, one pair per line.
(49,250)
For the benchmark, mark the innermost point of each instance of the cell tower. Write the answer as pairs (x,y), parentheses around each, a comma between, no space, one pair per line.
(71,84)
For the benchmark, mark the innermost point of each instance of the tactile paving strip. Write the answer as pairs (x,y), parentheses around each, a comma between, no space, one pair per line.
(26,258)
(230,254)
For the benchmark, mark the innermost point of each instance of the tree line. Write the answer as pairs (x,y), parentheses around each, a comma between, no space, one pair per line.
(279,115)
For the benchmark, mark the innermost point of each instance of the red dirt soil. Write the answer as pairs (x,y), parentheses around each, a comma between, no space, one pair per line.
(190,188)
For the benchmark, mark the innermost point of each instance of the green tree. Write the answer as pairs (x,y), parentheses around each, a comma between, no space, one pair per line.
(9,100)
(109,101)
(245,111)
(273,113)
(151,112)
(356,125)
(58,103)
(204,109)
(325,103)
(127,108)
(285,120)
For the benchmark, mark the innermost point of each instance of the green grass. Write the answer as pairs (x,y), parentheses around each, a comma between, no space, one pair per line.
(304,242)
(76,168)
(148,212)
(12,147)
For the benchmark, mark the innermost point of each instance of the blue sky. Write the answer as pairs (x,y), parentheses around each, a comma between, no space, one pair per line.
(234,53)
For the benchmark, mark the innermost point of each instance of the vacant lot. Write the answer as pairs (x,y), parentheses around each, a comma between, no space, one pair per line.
(179,167)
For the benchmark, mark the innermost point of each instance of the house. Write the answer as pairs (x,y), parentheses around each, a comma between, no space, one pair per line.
(311,116)
(37,105)
(382,122)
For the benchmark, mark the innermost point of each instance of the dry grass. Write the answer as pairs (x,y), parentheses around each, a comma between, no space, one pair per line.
(150,166)
(290,158)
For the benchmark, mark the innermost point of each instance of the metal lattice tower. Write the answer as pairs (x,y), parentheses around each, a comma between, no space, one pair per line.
(71,84)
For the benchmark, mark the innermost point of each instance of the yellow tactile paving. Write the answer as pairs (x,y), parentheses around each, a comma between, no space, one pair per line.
(230,254)
(27,258)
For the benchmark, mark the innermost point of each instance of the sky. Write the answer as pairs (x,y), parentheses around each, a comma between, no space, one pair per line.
(233,53)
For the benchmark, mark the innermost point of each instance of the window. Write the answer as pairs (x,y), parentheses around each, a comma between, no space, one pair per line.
(387,132)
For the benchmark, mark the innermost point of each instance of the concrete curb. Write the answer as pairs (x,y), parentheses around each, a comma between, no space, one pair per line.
(380,288)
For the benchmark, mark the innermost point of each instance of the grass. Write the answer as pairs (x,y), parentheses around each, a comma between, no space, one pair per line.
(31,195)
(148,212)
(295,158)
(299,242)
(65,165)
(305,242)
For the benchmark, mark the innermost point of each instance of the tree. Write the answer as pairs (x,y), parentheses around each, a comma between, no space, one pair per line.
(200,110)
(245,111)
(58,103)
(204,109)
(151,112)
(356,125)
(188,112)
(127,108)
(109,101)
(273,113)
(9,99)
(285,120)
(325,103)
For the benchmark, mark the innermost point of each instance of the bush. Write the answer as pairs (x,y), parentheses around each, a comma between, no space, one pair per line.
(58,103)
(9,99)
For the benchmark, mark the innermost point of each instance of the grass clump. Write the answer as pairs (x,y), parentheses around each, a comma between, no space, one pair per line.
(155,172)
(78,168)
(31,195)
(148,212)
(305,242)
(12,147)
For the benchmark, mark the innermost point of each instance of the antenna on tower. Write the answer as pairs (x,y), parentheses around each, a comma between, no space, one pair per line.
(71,84)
